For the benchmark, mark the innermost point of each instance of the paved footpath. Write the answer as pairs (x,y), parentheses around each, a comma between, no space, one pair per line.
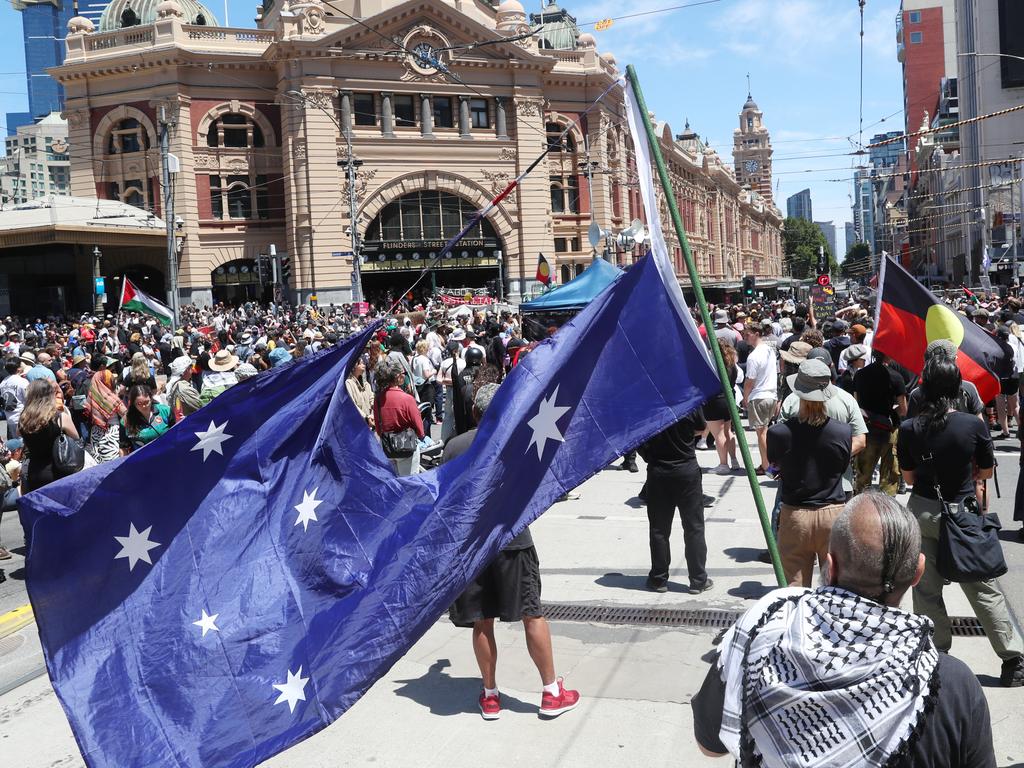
(636,680)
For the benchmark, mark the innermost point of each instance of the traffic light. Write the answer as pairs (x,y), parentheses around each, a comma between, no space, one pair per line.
(286,270)
(748,287)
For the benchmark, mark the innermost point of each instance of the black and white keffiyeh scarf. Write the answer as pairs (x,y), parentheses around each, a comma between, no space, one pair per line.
(824,678)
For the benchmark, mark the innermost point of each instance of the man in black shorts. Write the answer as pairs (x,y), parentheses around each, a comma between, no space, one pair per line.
(507,589)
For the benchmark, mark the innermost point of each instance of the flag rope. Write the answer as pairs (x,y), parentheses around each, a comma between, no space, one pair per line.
(698,291)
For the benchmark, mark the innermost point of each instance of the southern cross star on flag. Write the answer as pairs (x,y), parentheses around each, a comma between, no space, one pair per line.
(236,585)
(910,317)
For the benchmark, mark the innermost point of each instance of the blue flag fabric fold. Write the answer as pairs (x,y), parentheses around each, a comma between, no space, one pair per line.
(238,584)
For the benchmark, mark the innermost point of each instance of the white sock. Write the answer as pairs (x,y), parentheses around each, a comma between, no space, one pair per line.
(490,691)
(552,689)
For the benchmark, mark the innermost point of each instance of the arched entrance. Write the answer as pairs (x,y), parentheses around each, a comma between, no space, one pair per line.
(408,233)
(236,282)
(144,277)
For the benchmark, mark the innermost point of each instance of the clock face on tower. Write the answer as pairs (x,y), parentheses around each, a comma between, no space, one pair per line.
(752,166)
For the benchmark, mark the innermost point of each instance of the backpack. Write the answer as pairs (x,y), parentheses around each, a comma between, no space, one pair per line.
(81,394)
(10,401)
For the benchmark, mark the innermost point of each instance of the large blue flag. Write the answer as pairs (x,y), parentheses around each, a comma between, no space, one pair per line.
(238,584)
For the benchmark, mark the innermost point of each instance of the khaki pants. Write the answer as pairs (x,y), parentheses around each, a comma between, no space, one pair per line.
(803,537)
(876,451)
(984,596)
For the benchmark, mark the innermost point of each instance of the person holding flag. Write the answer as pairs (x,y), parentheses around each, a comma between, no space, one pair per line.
(135,300)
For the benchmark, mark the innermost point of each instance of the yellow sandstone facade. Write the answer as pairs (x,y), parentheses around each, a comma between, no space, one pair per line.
(261,120)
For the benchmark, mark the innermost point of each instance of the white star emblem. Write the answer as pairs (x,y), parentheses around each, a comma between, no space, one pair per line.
(544,424)
(307,509)
(212,440)
(206,623)
(135,546)
(293,690)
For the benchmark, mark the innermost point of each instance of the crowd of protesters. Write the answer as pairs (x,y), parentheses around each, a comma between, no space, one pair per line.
(832,419)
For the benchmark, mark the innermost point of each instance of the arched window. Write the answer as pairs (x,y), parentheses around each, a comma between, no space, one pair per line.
(128,135)
(239,197)
(129,18)
(555,140)
(200,20)
(565,194)
(564,169)
(137,192)
(234,130)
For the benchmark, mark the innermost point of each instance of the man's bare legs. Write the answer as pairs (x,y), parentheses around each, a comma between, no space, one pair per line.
(538,643)
(486,650)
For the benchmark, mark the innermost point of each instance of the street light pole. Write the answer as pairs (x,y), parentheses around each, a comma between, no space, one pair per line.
(172,249)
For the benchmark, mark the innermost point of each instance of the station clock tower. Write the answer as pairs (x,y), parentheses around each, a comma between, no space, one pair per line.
(752,151)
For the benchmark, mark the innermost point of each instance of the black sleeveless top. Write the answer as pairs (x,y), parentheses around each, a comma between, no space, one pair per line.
(39,446)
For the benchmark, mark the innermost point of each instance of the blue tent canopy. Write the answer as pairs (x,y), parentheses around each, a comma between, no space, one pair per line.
(578,292)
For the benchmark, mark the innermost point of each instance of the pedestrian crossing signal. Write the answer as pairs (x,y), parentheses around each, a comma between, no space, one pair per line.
(748,287)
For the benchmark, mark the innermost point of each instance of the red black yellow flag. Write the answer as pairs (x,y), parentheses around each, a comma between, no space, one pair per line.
(543,270)
(910,317)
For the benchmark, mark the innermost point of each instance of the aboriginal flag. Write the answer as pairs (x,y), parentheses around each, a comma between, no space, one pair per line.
(543,270)
(910,316)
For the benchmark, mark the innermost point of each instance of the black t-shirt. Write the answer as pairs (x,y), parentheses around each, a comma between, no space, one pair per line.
(877,386)
(811,461)
(956,734)
(457,446)
(961,443)
(674,448)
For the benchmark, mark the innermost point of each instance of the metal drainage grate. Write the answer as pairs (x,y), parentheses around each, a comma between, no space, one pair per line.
(966,626)
(960,626)
(632,614)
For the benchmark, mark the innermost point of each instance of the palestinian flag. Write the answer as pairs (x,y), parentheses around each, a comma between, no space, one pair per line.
(910,317)
(543,270)
(134,300)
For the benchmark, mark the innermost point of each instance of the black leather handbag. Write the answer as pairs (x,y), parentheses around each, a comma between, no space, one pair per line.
(398,445)
(68,454)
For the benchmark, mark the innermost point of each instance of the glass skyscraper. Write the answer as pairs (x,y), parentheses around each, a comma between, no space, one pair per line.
(44,25)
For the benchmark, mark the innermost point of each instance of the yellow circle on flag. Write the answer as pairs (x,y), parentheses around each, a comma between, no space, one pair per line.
(942,323)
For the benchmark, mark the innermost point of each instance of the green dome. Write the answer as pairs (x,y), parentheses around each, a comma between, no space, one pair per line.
(130,13)
(557,28)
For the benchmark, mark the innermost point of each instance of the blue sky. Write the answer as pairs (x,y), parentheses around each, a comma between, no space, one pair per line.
(802,56)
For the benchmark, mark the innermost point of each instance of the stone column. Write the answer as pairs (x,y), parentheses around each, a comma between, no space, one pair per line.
(500,121)
(465,131)
(387,116)
(426,116)
(346,112)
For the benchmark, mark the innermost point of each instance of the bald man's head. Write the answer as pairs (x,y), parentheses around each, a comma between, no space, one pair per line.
(875,548)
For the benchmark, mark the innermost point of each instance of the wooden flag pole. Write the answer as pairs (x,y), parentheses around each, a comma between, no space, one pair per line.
(723,375)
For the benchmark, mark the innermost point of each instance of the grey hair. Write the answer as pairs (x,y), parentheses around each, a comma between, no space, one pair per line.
(878,560)
(483,397)
(388,372)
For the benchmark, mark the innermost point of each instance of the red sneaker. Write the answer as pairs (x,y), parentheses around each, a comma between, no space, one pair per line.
(553,706)
(490,706)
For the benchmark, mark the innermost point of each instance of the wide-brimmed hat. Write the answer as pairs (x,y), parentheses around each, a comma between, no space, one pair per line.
(721,317)
(28,358)
(813,381)
(78,357)
(796,353)
(223,361)
(245,338)
(458,334)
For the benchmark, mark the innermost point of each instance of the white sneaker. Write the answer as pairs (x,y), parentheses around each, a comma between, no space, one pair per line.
(721,469)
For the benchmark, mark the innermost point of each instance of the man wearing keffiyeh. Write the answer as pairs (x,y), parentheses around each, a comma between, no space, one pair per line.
(840,676)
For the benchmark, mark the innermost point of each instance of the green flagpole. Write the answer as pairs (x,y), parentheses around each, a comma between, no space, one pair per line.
(691,268)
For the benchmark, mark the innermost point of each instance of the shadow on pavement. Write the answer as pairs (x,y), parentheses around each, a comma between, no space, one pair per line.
(448,696)
(744,554)
(989,681)
(18,574)
(637,582)
(636,503)
(751,590)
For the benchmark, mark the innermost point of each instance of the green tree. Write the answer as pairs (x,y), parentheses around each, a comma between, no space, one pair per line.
(857,262)
(802,239)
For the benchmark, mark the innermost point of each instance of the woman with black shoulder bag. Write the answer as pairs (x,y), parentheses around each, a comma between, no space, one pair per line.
(397,418)
(941,453)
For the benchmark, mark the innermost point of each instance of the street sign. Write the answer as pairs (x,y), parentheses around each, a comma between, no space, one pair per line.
(342,254)
(101,287)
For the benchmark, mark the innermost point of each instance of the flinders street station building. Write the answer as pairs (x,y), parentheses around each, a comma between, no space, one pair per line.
(440,102)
